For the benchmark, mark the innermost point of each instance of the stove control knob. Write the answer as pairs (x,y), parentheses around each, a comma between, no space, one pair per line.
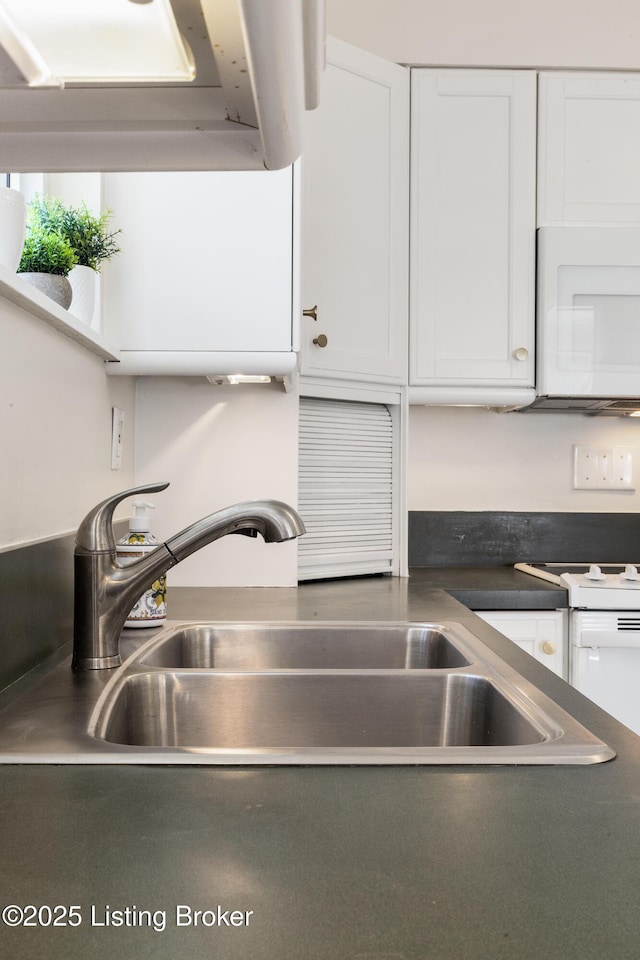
(595,573)
(630,573)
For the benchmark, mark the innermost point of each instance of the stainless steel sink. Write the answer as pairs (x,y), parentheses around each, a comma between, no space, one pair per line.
(336,646)
(297,693)
(251,712)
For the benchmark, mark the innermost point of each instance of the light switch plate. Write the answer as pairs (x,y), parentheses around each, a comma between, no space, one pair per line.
(602,468)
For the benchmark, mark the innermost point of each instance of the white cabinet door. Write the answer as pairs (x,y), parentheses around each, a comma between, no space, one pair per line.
(473,136)
(355,209)
(589,148)
(205,262)
(541,633)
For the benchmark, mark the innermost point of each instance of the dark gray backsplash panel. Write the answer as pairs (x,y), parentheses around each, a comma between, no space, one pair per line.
(36,604)
(488,538)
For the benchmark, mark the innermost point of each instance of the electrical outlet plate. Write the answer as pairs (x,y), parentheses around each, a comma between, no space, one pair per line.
(117,430)
(602,468)
(622,469)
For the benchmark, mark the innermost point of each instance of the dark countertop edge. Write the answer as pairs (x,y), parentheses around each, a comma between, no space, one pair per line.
(493,588)
(508,600)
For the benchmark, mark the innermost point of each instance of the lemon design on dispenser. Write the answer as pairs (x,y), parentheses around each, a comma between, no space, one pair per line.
(151,608)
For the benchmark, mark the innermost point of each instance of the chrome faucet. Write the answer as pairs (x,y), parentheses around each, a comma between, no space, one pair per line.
(105,592)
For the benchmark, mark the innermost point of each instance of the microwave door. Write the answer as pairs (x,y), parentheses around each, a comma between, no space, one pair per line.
(589,325)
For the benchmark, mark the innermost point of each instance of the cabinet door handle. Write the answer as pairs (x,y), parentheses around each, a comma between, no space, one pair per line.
(320,340)
(549,647)
(313,312)
(521,353)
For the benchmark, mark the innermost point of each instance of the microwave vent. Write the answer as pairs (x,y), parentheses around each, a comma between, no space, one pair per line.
(591,406)
(625,406)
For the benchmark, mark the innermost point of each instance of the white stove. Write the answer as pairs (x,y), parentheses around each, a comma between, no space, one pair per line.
(592,586)
(604,632)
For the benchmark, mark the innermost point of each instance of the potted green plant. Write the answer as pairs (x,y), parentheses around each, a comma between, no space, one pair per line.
(90,236)
(46,261)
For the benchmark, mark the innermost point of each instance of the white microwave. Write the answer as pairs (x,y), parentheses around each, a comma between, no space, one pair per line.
(588,319)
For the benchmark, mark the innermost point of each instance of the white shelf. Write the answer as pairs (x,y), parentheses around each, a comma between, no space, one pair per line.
(202,363)
(18,291)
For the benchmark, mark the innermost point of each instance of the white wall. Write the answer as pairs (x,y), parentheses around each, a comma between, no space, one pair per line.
(501,33)
(475,459)
(218,446)
(55,428)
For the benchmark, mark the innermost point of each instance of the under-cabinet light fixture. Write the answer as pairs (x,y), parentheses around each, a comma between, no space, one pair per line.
(235,378)
(93,41)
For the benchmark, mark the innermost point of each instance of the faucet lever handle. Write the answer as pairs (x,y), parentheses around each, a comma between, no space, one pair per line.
(95,533)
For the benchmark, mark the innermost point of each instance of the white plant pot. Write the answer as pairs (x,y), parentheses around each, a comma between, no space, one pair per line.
(83,285)
(13,219)
(55,287)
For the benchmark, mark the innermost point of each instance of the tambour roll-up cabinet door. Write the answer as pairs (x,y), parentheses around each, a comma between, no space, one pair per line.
(345,488)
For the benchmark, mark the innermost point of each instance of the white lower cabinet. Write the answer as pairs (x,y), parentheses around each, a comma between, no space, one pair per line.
(540,633)
(205,270)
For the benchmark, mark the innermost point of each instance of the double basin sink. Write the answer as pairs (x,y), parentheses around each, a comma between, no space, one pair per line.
(305,693)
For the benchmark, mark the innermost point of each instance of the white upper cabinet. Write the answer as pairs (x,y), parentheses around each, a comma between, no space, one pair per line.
(355,209)
(589,148)
(204,279)
(473,182)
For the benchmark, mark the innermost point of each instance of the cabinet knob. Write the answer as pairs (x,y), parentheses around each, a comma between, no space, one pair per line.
(313,312)
(549,647)
(521,353)
(320,340)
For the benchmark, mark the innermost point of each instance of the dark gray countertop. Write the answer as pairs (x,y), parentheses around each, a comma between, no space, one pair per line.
(356,863)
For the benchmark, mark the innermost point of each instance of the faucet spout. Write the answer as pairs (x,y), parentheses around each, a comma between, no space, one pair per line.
(276,521)
(105,592)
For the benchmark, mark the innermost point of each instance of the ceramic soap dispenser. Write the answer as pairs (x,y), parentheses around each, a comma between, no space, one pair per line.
(150,610)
